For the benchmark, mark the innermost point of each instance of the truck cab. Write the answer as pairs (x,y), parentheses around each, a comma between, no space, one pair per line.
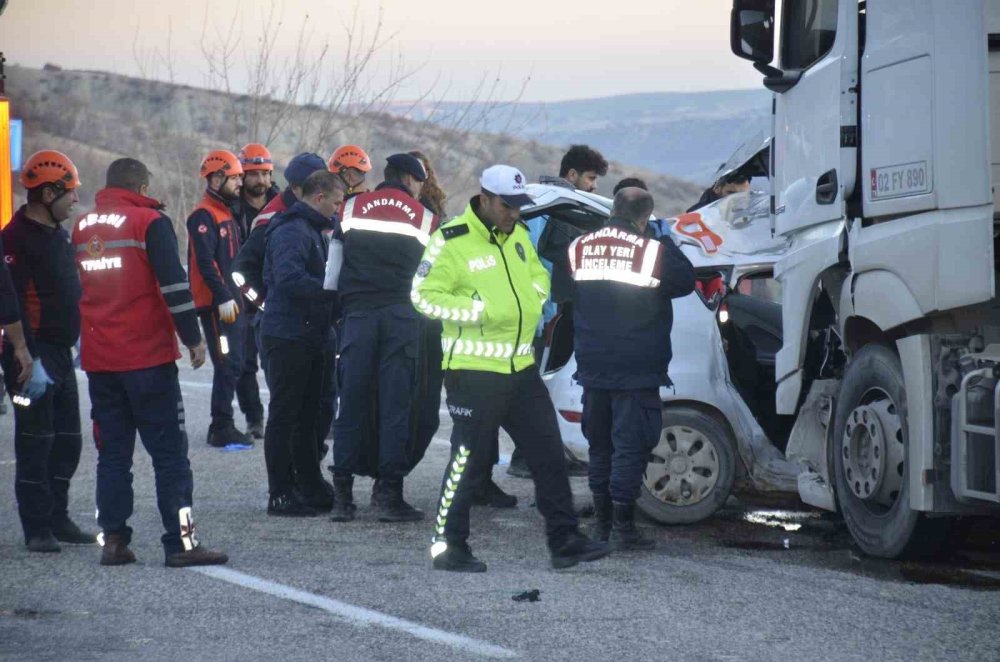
(882,179)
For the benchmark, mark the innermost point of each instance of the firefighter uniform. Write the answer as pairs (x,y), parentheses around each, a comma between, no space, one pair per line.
(487,288)
(135,302)
(625,280)
(213,241)
(47,440)
(385,232)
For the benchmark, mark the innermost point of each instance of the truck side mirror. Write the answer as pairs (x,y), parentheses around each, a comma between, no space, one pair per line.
(751,30)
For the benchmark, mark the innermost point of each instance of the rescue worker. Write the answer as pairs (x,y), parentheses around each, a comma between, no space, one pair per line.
(256,192)
(12,327)
(213,241)
(625,279)
(481,277)
(351,164)
(385,232)
(135,302)
(294,330)
(47,440)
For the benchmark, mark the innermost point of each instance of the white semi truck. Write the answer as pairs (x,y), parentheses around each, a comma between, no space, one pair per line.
(883,178)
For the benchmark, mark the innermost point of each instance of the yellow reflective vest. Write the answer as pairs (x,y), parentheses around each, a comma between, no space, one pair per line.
(487,288)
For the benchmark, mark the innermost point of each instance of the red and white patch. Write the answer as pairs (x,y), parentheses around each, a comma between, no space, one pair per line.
(202,228)
(223,232)
(10,259)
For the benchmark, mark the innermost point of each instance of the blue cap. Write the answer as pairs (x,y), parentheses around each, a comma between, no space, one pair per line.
(301,166)
(409,164)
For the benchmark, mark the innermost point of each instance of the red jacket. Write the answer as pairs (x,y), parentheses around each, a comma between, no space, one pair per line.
(213,241)
(126,254)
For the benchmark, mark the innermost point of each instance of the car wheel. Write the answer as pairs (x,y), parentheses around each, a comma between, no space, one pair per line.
(870,466)
(691,469)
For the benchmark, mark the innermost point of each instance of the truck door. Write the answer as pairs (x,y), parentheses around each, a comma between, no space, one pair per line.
(815,112)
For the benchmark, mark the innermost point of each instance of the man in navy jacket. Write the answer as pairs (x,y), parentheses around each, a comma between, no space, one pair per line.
(625,279)
(294,331)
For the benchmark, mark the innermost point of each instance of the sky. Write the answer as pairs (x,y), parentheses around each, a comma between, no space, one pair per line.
(539,51)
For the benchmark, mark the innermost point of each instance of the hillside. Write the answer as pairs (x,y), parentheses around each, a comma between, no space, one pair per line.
(96,117)
(685,134)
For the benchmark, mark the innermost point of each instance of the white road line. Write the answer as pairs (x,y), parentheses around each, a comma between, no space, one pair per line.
(359,616)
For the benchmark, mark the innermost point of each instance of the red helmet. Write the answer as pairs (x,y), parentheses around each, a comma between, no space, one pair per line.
(349,156)
(50,167)
(222,160)
(255,156)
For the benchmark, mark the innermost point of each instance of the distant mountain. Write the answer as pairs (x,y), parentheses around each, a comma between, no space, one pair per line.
(684,134)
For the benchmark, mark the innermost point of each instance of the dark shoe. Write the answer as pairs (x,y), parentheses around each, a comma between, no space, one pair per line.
(66,530)
(116,551)
(224,435)
(256,429)
(625,536)
(321,502)
(458,558)
(518,467)
(289,505)
(343,500)
(491,495)
(390,504)
(577,547)
(43,542)
(197,556)
(575,467)
(603,515)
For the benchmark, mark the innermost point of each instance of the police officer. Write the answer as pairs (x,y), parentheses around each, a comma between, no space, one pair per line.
(47,440)
(385,232)
(256,192)
(135,302)
(213,241)
(481,277)
(625,280)
(351,164)
(294,329)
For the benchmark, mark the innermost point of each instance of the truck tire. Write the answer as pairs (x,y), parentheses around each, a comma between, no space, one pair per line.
(870,466)
(691,469)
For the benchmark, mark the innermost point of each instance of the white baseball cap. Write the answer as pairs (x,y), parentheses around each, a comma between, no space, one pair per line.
(508,182)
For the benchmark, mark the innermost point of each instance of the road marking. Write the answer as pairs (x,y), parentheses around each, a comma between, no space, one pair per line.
(358,616)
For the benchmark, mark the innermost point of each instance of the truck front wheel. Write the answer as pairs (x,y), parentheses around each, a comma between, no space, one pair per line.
(870,461)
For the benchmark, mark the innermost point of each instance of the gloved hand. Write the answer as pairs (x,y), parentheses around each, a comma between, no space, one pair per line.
(39,381)
(228,311)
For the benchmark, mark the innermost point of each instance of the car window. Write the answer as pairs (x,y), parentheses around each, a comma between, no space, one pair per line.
(810,28)
(760,286)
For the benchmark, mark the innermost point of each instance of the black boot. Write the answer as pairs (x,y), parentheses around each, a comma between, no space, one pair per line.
(458,558)
(390,504)
(602,517)
(42,541)
(576,547)
(197,556)
(255,429)
(625,536)
(220,436)
(65,530)
(288,504)
(490,494)
(343,499)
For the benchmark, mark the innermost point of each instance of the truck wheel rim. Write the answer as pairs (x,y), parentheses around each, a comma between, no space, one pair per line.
(683,468)
(873,452)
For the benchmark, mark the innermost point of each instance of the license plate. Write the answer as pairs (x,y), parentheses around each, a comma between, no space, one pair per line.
(900,181)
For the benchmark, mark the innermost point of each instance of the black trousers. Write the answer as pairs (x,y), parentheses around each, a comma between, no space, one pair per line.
(295,375)
(47,440)
(225,348)
(247,390)
(480,403)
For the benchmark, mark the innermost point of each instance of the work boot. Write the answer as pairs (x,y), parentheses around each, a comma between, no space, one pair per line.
(458,558)
(321,501)
(44,542)
(576,547)
(390,504)
(255,429)
(575,467)
(225,434)
(518,467)
(625,536)
(197,556)
(343,499)
(490,494)
(289,504)
(65,530)
(116,551)
(603,515)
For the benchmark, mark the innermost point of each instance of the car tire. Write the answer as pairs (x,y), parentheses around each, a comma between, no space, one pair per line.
(698,486)
(879,516)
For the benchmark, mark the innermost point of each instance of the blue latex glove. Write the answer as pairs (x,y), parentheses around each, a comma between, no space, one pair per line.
(35,387)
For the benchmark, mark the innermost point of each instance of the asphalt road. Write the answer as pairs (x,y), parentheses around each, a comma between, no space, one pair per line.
(766,579)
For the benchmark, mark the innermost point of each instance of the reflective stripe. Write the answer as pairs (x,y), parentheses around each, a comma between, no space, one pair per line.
(490,350)
(627,277)
(461,459)
(118,243)
(178,287)
(182,307)
(387,227)
(649,257)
